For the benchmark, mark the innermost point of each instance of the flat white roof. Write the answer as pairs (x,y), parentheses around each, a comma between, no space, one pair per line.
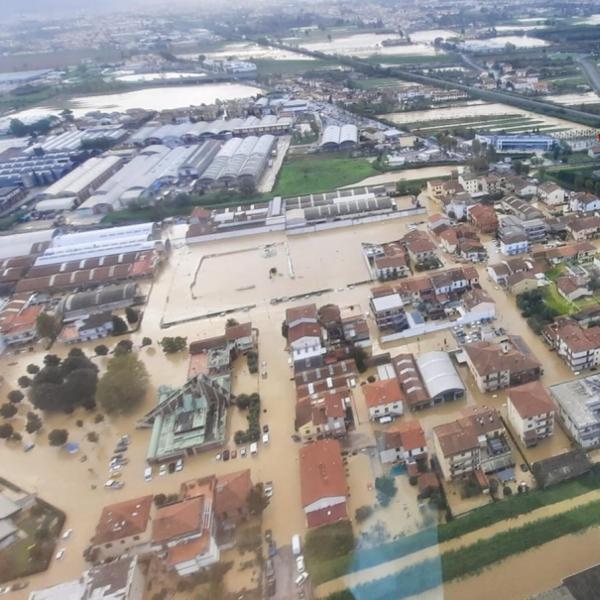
(387,302)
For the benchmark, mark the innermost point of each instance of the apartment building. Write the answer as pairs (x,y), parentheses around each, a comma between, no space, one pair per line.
(499,365)
(476,443)
(577,346)
(530,412)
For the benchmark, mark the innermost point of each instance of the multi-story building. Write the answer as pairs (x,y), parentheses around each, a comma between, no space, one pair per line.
(530,412)
(389,312)
(584,202)
(476,443)
(322,416)
(579,408)
(384,399)
(577,346)
(402,442)
(495,366)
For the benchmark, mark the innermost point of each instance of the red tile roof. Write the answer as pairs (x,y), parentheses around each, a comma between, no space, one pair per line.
(122,520)
(321,472)
(531,399)
(382,392)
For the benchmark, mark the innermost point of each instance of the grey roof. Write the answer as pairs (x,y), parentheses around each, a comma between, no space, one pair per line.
(107,295)
(348,207)
(438,373)
(580,400)
(7,507)
(562,467)
(7,529)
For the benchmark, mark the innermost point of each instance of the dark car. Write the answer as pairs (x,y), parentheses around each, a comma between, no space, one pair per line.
(171,467)
(225,454)
(265,429)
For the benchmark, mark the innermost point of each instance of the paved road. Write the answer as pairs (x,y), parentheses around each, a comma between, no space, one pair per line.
(591,71)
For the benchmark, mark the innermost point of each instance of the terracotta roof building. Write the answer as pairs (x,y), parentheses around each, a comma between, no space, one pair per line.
(495,366)
(384,399)
(531,412)
(403,441)
(323,483)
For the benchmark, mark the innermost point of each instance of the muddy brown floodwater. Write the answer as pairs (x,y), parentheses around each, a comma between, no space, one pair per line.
(214,277)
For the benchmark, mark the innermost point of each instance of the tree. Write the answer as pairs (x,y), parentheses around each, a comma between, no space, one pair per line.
(160,499)
(386,489)
(172,345)
(132,315)
(123,347)
(58,437)
(101,350)
(256,500)
(362,513)
(8,410)
(51,360)
(146,341)
(231,322)
(15,396)
(123,386)
(32,369)
(47,326)
(34,422)
(360,358)
(24,381)
(92,436)
(119,326)
(6,430)
(18,128)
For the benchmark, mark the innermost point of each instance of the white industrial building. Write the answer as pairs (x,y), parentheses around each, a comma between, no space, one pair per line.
(239,160)
(186,133)
(71,141)
(140,179)
(100,242)
(86,178)
(337,137)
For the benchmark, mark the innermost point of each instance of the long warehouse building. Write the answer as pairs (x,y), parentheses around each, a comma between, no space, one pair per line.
(240,160)
(82,181)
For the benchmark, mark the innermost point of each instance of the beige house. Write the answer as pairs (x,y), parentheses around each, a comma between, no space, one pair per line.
(530,412)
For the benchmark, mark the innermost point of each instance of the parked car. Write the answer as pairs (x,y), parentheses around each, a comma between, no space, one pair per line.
(301,578)
(265,439)
(60,554)
(243,452)
(268,489)
(179,465)
(265,428)
(300,563)
(234,453)
(225,455)
(163,470)
(148,474)
(67,534)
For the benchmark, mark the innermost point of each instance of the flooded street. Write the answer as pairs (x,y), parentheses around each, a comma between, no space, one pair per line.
(211,278)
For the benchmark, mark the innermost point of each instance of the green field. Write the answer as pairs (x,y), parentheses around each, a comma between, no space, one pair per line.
(410,59)
(376,83)
(321,173)
(269,66)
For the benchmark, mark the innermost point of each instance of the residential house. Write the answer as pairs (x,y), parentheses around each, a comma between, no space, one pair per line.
(389,312)
(513,238)
(384,399)
(402,442)
(483,217)
(356,331)
(419,246)
(584,228)
(322,416)
(584,202)
(571,288)
(551,194)
(298,315)
(305,344)
(18,321)
(499,365)
(530,412)
(330,320)
(524,281)
(578,347)
(94,327)
(391,267)
(124,528)
(474,444)
(323,484)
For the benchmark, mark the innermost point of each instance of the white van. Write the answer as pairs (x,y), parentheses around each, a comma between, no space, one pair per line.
(265,439)
(296,545)
(384,420)
(253,448)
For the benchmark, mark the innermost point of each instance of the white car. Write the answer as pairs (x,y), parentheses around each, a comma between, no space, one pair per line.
(163,470)
(113,484)
(300,563)
(179,465)
(4,590)
(268,489)
(67,534)
(148,474)
(60,554)
(218,457)
(243,453)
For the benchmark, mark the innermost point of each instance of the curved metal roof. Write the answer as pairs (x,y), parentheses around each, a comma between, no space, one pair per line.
(438,373)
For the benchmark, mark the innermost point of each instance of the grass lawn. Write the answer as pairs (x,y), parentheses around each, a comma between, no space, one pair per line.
(402,59)
(495,512)
(555,301)
(321,173)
